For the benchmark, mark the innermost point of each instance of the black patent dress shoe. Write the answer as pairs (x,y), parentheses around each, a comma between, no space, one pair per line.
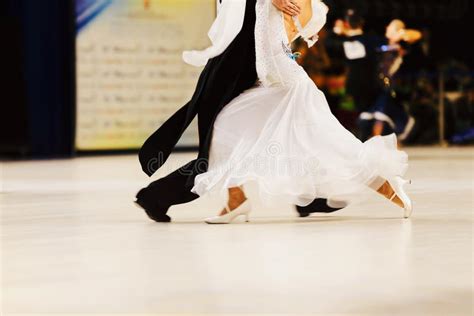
(153,214)
(317,206)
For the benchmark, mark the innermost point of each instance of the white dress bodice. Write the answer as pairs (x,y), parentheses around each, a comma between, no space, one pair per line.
(274,62)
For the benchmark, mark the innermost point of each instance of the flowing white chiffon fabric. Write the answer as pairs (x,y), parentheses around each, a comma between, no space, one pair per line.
(287,141)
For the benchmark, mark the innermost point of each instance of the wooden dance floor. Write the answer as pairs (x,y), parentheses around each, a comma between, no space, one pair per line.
(72,242)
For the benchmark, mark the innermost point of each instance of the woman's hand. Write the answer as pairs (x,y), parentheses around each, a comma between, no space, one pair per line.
(289,7)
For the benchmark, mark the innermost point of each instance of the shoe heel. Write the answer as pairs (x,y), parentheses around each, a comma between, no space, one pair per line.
(243,209)
(397,185)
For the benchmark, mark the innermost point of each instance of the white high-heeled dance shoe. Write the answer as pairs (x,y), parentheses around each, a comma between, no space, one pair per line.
(227,218)
(397,184)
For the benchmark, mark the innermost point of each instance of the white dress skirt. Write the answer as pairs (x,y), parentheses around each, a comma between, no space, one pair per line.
(282,135)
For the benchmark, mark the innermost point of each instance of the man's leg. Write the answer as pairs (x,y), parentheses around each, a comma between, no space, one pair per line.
(161,194)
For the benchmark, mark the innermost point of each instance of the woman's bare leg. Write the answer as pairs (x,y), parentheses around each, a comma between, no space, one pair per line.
(236,197)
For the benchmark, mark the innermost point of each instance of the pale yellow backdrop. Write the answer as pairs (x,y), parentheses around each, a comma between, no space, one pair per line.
(130,75)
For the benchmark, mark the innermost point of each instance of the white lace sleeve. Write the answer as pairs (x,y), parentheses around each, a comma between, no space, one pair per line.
(228,24)
(317,22)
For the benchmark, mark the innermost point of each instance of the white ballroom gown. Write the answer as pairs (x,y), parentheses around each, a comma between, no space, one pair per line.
(282,135)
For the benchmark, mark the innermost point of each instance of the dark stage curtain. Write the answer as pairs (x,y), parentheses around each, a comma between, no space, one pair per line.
(13,117)
(42,75)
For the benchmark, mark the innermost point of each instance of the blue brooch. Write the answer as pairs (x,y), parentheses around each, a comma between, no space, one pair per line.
(289,52)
